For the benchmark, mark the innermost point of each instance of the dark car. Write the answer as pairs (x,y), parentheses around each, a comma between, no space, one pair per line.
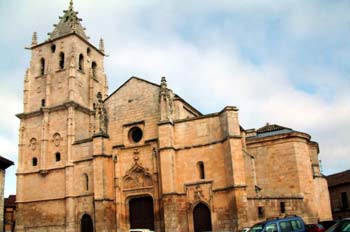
(340,226)
(315,228)
(286,224)
(327,224)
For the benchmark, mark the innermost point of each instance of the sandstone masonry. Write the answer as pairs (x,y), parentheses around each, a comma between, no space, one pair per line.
(144,157)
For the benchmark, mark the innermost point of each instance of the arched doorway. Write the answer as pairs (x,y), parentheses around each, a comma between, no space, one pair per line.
(141,213)
(86,224)
(201,218)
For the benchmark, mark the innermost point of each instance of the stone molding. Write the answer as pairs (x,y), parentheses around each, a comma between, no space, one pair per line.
(64,106)
(202,145)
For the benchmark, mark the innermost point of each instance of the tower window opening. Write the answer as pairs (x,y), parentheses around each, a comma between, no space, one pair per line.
(53,48)
(86,179)
(81,62)
(200,166)
(94,68)
(260,212)
(42,66)
(282,207)
(58,156)
(43,102)
(88,51)
(34,161)
(61,60)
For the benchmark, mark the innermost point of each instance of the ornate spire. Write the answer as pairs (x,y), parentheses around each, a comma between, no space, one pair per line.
(102,46)
(69,23)
(71,5)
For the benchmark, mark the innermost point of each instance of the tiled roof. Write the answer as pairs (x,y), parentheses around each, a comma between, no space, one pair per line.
(270,128)
(339,178)
(5,163)
(10,201)
(69,23)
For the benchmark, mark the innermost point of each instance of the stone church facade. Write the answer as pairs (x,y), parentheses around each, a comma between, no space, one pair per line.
(142,157)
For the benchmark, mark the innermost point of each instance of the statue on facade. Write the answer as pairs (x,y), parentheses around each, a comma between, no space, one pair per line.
(101,117)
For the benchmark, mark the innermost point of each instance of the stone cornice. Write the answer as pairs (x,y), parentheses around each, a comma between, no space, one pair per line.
(56,199)
(87,140)
(201,145)
(70,34)
(63,106)
(199,182)
(227,108)
(276,198)
(102,155)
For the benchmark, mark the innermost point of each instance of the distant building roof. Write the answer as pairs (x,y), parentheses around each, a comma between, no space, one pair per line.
(10,201)
(270,130)
(5,163)
(339,178)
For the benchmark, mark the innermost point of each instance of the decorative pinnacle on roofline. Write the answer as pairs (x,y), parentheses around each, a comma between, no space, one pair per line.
(69,23)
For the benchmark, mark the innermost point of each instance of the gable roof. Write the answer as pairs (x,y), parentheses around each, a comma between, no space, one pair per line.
(131,78)
(176,97)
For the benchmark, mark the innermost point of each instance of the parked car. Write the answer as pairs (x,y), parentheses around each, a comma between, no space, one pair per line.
(315,228)
(286,224)
(341,226)
(245,229)
(140,230)
(327,224)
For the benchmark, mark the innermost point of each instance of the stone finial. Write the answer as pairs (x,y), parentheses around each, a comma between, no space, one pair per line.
(163,82)
(71,5)
(34,39)
(102,45)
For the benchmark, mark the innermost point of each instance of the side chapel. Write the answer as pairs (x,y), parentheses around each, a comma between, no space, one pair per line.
(143,157)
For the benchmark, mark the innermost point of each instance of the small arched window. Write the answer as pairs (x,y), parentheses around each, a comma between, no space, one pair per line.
(58,156)
(86,180)
(200,166)
(42,66)
(88,51)
(34,161)
(53,48)
(43,102)
(61,60)
(94,68)
(81,62)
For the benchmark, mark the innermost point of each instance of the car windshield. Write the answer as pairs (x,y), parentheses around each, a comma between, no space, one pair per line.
(257,227)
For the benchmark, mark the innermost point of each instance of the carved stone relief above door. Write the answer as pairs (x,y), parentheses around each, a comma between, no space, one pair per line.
(137,177)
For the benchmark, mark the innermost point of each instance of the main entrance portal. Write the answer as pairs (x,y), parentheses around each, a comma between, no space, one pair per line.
(141,213)
(201,218)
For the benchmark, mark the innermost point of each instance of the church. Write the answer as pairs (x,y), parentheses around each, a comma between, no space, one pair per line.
(143,157)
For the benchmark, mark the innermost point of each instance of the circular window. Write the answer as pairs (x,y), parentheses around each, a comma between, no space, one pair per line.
(135,134)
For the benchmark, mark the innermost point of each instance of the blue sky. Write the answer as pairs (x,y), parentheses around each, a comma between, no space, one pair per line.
(284,62)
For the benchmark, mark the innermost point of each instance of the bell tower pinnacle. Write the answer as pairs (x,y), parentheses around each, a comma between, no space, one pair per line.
(60,88)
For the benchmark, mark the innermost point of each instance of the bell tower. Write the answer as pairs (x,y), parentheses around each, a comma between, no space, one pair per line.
(60,88)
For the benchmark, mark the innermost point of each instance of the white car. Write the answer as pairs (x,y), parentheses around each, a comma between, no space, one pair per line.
(141,230)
